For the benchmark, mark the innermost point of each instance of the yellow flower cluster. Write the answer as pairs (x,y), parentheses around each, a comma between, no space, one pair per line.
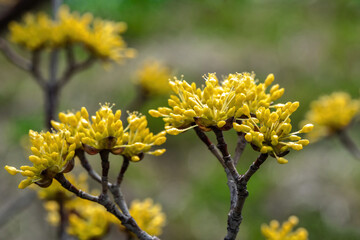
(102,38)
(332,113)
(105,132)
(154,77)
(88,220)
(275,232)
(217,104)
(52,154)
(238,102)
(148,216)
(270,132)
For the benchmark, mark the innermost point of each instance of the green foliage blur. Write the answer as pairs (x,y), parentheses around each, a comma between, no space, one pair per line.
(311,46)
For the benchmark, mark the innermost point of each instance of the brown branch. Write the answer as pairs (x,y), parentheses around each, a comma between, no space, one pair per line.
(67,185)
(123,169)
(13,57)
(348,143)
(104,200)
(86,165)
(240,147)
(209,144)
(115,190)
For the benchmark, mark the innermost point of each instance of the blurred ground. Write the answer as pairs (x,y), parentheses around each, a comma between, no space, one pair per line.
(312,47)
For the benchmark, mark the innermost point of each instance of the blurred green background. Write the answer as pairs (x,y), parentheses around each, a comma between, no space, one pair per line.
(312,47)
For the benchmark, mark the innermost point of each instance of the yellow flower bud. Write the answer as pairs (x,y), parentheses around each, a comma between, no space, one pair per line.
(11,170)
(282,160)
(220,124)
(307,128)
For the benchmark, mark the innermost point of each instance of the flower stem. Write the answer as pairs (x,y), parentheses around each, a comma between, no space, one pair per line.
(104,154)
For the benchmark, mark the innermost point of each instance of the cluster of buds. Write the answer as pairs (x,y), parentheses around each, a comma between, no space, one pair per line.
(148,216)
(238,102)
(100,37)
(53,152)
(270,132)
(273,231)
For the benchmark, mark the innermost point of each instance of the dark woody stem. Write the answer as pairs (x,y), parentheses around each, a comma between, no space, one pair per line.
(104,154)
(239,196)
(209,144)
(235,215)
(240,147)
(86,165)
(348,143)
(123,169)
(104,200)
(115,189)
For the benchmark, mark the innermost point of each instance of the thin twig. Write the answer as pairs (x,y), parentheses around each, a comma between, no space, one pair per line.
(104,200)
(86,165)
(209,144)
(123,169)
(35,69)
(74,68)
(230,181)
(13,57)
(240,147)
(348,143)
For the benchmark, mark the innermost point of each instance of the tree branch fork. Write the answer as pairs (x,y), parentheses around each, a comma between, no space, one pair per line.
(236,182)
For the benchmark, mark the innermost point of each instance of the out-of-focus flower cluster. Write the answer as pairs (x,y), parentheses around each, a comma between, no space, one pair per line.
(102,38)
(87,220)
(273,231)
(153,78)
(238,101)
(148,216)
(332,113)
(53,152)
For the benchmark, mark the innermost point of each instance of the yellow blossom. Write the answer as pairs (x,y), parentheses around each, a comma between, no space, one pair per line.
(104,131)
(331,114)
(154,78)
(34,33)
(216,104)
(270,132)
(139,139)
(71,122)
(273,231)
(88,220)
(102,38)
(52,154)
(148,216)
